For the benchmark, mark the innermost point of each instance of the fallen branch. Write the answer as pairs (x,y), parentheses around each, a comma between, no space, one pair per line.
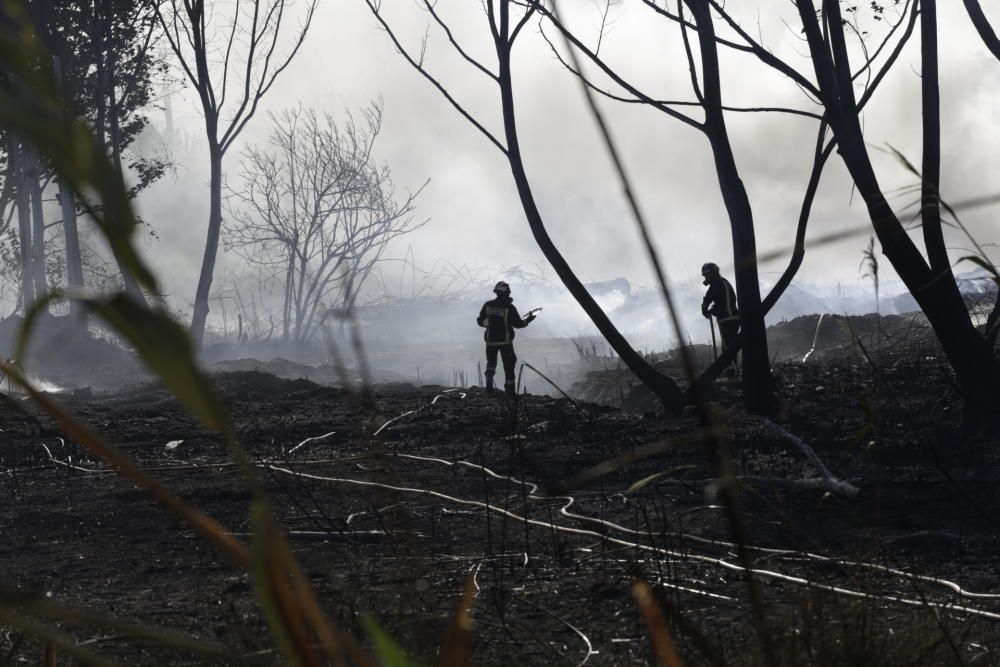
(829,482)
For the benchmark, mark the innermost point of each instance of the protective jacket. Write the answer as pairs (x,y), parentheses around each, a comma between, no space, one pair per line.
(720,301)
(500,318)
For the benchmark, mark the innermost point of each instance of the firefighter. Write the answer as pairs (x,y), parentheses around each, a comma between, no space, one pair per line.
(720,302)
(499,317)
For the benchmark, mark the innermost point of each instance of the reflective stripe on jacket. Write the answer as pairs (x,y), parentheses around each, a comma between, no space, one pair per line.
(720,301)
(499,317)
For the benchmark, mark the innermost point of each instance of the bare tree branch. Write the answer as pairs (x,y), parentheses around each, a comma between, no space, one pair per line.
(375,8)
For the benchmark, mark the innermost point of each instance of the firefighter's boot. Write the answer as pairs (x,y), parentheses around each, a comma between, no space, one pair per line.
(509,389)
(489,383)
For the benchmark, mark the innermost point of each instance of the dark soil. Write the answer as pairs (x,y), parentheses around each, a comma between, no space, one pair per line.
(375,541)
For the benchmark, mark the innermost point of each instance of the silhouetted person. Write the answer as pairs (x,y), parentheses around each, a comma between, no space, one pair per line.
(720,302)
(499,317)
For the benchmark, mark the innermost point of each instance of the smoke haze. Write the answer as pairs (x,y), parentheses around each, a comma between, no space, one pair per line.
(475,218)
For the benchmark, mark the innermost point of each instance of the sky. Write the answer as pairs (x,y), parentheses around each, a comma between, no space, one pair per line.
(474,216)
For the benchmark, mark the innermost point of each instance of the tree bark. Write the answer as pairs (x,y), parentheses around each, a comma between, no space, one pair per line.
(131,284)
(977,371)
(71,236)
(286,311)
(74,263)
(16,166)
(201,308)
(661,385)
(34,186)
(983,27)
(930,197)
(993,323)
(758,386)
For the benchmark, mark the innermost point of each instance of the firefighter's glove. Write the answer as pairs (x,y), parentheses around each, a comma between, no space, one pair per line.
(530,318)
(705,313)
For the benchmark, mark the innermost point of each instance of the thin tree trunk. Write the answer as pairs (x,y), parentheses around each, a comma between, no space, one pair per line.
(983,27)
(16,159)
(930,197)
(661,385)
(201,309)
(977,371)
(286,311)
(71,237)
(74,264)
(993,323)
(131,284)
(758,386)
(300,305)
(37,226)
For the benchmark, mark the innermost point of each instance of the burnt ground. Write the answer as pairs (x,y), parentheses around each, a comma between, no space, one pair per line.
(397,510)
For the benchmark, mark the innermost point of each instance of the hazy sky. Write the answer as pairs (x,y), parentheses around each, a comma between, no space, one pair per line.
(475,215)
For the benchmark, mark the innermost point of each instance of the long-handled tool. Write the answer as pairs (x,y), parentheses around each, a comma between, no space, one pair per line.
(715,350)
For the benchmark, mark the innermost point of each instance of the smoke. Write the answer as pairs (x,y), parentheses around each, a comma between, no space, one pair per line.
(476,219)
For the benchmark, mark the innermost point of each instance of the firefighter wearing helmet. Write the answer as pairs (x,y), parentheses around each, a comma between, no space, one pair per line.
(720,302)
(499,317)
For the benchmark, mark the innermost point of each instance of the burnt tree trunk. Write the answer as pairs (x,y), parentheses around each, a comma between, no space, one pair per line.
(16,167)
(34,186)
(132,287)
(661,385)
(993,323)
(983,27)
(211,241)
(74,263)
(758,386)
(71,236)
(930,197)
(977,371)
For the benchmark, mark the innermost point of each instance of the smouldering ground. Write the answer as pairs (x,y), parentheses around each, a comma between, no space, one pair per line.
(394,503)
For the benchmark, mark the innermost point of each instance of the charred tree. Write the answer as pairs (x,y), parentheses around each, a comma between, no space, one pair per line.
(251,36)
(71,233)
(317,208)
(976,369)
(505,30)
(32,183)
(983,27)
(758,386)
(16,172)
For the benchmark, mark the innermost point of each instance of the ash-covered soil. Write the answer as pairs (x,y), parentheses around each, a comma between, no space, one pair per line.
(392,502)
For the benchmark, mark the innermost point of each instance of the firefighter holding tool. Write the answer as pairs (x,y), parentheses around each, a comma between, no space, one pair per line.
(720,303)
(499,317)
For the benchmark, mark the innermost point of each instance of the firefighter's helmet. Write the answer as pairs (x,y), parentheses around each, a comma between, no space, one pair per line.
(708,270)
(501,289)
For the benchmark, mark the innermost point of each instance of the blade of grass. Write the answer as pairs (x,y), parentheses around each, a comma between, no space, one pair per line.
(388,651)
(333,640)
(160,342)
(82,434)
(664,652)
(275,592)
(166,349)
(44,608)
(51,637)
(457,648)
